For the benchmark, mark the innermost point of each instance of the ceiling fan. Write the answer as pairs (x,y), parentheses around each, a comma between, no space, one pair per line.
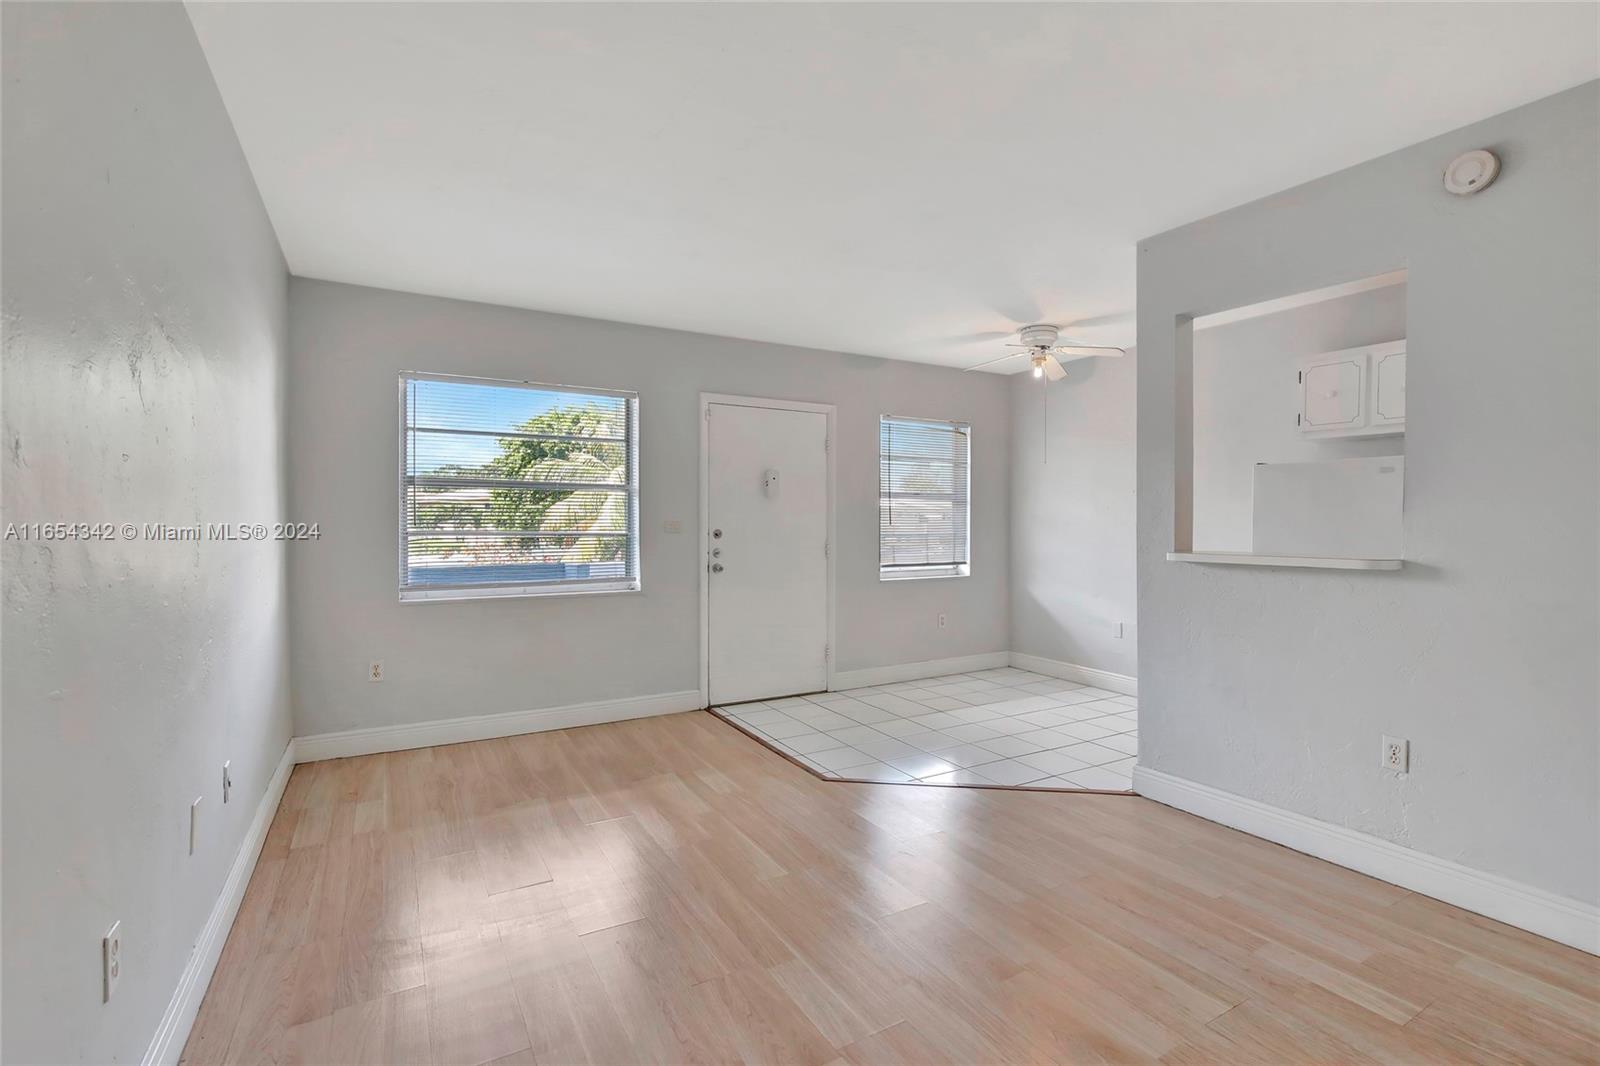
(1040,347)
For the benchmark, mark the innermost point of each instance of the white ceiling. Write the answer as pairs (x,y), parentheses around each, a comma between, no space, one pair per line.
(890,179)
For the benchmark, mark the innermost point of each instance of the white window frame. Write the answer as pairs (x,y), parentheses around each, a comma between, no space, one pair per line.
(588,587)
(929,572)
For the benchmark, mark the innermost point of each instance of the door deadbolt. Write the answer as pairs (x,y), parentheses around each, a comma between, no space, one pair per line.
(716,534)
(716,568)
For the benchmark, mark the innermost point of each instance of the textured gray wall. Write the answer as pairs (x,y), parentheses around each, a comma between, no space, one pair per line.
(144,341)
(442,660)
(1072,515)
(1278,684)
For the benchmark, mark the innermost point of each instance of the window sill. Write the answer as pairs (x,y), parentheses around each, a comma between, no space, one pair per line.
(525,592)
(928,575)
(1306,561)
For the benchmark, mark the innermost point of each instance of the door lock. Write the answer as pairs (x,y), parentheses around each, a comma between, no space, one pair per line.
(716,568)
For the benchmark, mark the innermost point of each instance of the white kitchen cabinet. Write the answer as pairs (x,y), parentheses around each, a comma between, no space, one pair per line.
(1357,392)
(1389,388)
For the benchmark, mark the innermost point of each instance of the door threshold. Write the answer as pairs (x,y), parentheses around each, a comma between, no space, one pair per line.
(768,699)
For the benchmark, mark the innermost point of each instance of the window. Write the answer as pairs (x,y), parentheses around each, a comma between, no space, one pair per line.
(923,481)
(515,489)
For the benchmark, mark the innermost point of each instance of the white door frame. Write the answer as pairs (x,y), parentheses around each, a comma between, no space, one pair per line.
(706,400)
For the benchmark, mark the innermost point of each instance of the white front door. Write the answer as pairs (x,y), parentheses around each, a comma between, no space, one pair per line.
(766,543)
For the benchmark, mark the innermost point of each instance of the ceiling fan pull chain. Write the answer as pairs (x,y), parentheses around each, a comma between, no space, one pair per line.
(1044,420)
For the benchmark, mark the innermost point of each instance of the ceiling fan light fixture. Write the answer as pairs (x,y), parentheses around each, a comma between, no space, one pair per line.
(1038,343)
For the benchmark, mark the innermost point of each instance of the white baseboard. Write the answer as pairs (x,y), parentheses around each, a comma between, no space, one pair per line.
(886,675)
(173,1031)
(488,726)
(1566,920)
(1084,675)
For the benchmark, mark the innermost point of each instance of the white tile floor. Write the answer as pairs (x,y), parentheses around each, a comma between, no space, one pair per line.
(993,727)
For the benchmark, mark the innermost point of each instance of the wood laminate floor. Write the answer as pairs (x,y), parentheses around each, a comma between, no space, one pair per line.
(666,890)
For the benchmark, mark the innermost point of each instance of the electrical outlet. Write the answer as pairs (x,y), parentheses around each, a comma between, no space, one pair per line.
(943,620)
(375,670)
(227,780)
(110,960)
(1396,755)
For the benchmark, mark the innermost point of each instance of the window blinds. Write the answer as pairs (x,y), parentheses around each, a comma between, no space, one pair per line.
(512,488)
(923,482)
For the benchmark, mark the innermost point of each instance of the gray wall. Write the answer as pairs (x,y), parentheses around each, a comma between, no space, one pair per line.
(1072,515)
(1277,684)
(1245,398)
(144,339)
(443,660)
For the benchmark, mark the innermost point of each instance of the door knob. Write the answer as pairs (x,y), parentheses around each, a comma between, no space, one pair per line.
(716,534)
(716,568)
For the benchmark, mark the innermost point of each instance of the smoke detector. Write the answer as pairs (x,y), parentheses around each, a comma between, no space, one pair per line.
(1471,172)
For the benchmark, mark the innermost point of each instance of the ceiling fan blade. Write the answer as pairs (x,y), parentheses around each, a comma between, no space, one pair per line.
(992,362)
(1052,369)
(1068,352)
(984,337)
(1114,318)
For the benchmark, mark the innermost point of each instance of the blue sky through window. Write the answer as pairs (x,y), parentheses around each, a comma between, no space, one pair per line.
(464,405)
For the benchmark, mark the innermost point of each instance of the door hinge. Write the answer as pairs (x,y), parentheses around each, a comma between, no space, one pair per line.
(827,652)
(825,549)
(1300,377)
(1297,420)
(827,444)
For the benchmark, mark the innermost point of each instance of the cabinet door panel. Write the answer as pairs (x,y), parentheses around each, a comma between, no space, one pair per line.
(1331,395)
(1389,389)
